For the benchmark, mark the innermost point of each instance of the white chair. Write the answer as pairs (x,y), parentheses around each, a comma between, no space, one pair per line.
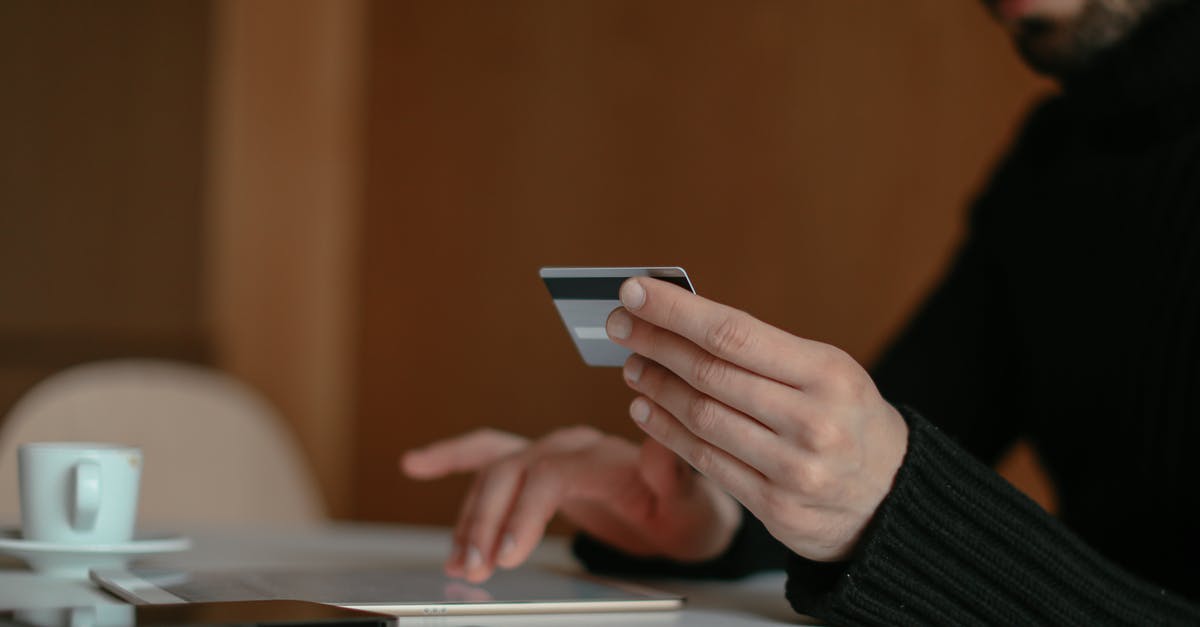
(215,452)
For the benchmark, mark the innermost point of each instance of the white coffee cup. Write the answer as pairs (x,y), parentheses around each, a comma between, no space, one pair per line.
(79,492)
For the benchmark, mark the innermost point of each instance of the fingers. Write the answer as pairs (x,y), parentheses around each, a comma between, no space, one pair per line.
(723,331)
(770,402)
(710,420)
(465,453)
(741,481)
(487,507)
(553,480)
(532,511)
(478,541)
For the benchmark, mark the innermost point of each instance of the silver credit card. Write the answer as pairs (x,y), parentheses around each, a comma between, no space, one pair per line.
(585,297)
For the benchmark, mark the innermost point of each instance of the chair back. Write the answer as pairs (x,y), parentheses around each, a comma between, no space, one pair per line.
(215,452)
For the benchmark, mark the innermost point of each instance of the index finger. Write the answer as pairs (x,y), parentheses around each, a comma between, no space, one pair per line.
(464,453)
(730,334)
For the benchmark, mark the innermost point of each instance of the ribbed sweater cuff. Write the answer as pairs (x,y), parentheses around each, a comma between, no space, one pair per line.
(955,544)
(752,550)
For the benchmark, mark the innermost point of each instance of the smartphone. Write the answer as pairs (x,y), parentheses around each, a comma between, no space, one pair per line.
(266,613)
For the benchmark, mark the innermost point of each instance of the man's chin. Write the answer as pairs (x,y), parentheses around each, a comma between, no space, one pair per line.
(1049,49)
(1061,46)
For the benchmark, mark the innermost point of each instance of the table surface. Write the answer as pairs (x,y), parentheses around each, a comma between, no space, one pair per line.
(754,601)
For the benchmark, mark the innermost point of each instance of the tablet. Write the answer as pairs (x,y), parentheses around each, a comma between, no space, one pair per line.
(398,591)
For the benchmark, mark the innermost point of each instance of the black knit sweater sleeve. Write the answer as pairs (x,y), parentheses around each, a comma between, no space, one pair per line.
(955,544)
(951,360)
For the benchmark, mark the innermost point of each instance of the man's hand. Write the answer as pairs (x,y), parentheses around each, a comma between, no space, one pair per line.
(792,428)
(641,500)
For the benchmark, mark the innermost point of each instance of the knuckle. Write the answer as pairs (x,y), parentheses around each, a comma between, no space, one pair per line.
(730,335)
(583,432)
(825,435)
(709,371)
(855,384)
(703,415)
(829,359)
(492,437)
(842,373)
(817,480)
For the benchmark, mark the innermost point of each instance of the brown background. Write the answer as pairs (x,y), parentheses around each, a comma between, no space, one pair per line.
(345,203)
(806,161)
(102,147)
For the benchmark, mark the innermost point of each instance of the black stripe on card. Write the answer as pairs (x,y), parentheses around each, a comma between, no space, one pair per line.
(598,288)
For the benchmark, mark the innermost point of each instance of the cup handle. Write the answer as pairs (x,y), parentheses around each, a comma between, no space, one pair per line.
(87,495)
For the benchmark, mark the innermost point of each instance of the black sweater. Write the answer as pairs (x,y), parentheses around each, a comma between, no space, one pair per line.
(1070,317)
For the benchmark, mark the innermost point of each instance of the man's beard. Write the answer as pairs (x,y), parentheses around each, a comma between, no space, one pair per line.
(1062,48)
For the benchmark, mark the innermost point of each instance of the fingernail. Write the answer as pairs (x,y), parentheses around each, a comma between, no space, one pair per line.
(639,410)
(474,558)
(633,295)
(633,369)
(620,325)
(507,545)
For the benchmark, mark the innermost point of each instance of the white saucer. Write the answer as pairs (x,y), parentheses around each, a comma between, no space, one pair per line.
(73,561)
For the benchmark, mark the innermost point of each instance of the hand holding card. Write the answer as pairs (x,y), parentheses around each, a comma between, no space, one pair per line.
(793,428)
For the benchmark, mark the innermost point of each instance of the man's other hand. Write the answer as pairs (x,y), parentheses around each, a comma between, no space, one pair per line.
(640,499)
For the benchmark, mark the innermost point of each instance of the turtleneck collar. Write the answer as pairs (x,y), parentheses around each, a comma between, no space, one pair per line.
(1151,79)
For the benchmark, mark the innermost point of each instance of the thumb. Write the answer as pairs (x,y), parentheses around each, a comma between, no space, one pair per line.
(661,469)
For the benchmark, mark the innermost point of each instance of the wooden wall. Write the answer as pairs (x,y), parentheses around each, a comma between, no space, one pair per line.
(103,122)
(806,161)
(180,179)
(284,198)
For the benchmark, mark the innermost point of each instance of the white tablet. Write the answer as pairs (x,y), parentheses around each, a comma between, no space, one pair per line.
(398,591)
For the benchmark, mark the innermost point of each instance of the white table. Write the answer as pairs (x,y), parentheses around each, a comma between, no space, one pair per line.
(754,601)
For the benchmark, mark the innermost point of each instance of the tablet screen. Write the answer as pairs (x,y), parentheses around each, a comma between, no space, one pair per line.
(398,590)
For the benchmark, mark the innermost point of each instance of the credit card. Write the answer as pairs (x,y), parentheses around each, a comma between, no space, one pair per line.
(585,297)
